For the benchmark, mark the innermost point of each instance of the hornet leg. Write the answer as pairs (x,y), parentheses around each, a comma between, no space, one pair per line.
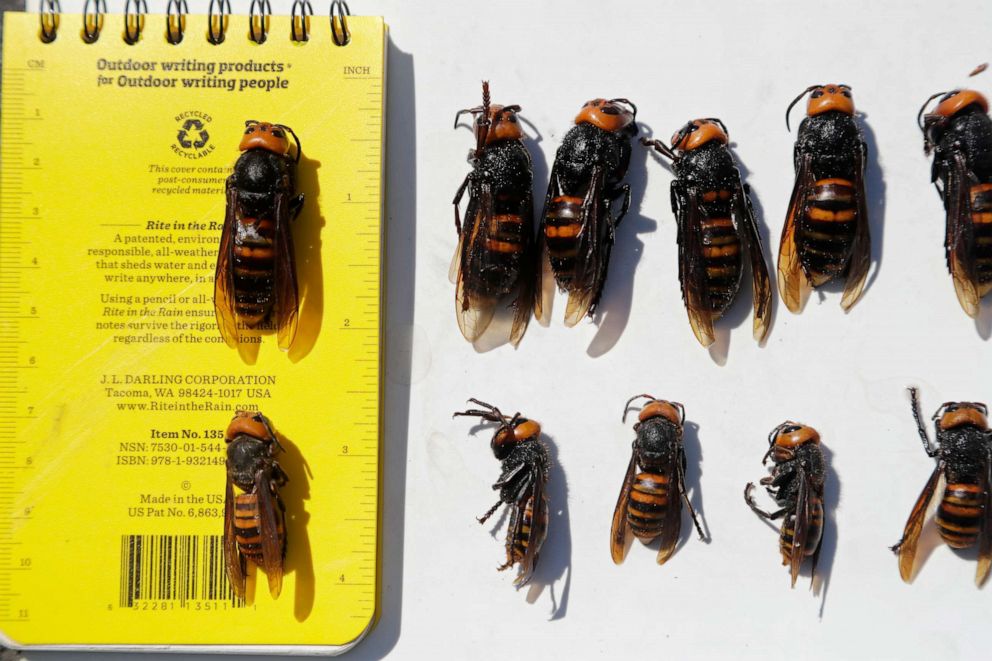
(492,510)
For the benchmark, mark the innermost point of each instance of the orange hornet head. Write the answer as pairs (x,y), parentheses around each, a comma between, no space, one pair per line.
(503,125)
(270,137)
(249,423)
(511,431)
(961,414)
(493,123)
(699,132)
(658,408)
(609,115)
(955,101)
(824,98)
(784,439)
(951,104)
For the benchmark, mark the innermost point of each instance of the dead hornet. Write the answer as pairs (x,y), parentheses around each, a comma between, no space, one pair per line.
(521,485)
(959,133)
(650,502)
(585,203)
(496,244)
(254,526)
(796,484)
(255,280)
(826,233)
(964,461)
(717,232)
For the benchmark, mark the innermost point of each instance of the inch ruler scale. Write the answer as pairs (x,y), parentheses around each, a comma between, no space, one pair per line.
(103,438)
(362,324)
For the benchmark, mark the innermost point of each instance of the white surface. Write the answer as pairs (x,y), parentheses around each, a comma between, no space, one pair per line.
(843,374)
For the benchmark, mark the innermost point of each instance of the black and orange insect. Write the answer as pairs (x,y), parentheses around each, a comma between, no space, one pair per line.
(650,502)
(255,280)
(254,518)
(716,227)
(586,202)
(964,463)
(796,484)
(959,133)
(521,485)
(496,245)
(826,233)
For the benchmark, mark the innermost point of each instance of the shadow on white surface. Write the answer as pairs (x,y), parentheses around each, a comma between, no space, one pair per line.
(875,192)
(401,239)
(307,230)
(299,555)
(548,288)
(739,313)
(554,568)
(693,481)
(820,582)
(766,227)
(983,323)
(613,311)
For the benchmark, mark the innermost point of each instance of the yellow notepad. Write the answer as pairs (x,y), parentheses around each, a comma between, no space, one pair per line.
(115,384)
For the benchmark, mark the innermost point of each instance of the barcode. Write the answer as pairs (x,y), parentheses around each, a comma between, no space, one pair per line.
(178,568)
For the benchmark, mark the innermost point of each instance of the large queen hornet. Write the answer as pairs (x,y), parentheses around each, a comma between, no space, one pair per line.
(496,244)
(717,231)
(959,133)
(826,234)
(796,484)
(964,462)
(255,280)
(581,214)
(254,518)
(521,485)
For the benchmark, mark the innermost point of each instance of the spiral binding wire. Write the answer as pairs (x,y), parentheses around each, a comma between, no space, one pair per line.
(217,22)
(339,22)
(93,20)
(218,19)
(300,21)
(134,20)
(258,20)
(48,16)
(175,21)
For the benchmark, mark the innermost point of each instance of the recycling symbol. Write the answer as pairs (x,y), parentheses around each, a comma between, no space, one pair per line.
(196,126)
